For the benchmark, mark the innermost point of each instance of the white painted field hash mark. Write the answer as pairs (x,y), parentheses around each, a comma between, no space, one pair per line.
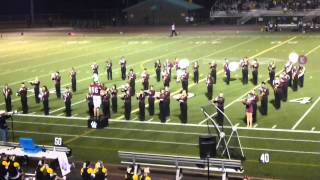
(313,128)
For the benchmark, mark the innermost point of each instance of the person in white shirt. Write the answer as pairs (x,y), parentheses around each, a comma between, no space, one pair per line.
(173,30)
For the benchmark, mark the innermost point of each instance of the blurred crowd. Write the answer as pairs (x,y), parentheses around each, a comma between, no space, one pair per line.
(246,5)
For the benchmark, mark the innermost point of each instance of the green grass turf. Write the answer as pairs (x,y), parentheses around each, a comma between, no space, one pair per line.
(294,155)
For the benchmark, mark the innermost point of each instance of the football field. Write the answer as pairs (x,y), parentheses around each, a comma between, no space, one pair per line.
(290,135)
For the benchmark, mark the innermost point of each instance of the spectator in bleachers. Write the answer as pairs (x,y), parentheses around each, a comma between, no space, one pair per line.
(13,169)
(45,172)
(86,171)
(99,172)
(3,166)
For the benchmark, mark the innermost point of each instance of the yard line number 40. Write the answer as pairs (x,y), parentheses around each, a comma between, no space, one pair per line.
(265,158)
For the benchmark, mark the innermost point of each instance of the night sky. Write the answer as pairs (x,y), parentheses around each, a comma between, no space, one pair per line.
(19,7)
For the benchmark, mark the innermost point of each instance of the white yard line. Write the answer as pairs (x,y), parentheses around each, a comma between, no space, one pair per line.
(60,114)
(202,122)
(59,109)
(159,142)
(103,73)
(305,114)
(113,57)
(109,138)
(136,118)
(280,150)
(171,124)
(216,52)
(167,132)
(193,84)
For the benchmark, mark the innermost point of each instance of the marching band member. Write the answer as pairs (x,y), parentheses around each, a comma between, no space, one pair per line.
(219,101)
(114,98)
(157,66)
(227,71)
(288,69)
(301,75)
(127,104)
(167,67)
(264,93)
(95,89)
(123,65)
(183,106)
(272,72)
(57,83)
(184,80)
(151,97)
(89,98)
(166,79)
(284,83)
(167,101)
(213,71)
(248,102)
(244,67)
(196,72)
(162,106)
(255,71)
(132,81)
(176,64)
(141,99)
(295,78)
(67,96)
(109,70)
(106,102)
(209,83)
(95,68)
(7,93)
(45,99)
(73,77)
(23,92)
(277,93)
(145,79)
(36,88)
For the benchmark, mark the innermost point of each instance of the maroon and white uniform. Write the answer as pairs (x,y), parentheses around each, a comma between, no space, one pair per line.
(94,90)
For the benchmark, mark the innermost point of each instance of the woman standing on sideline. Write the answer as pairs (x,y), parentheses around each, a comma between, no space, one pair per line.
(248,102)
